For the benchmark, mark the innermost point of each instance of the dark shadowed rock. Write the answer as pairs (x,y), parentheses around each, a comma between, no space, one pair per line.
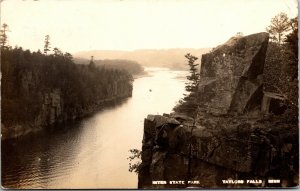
(232,74)
(225,151)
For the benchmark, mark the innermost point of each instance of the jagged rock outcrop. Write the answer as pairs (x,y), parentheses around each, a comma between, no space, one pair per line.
(222,151)
(231,75)
(51,109)
(216,146)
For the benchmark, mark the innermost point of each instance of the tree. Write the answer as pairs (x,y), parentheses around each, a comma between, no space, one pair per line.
(292,38)
(279,25)
(80,87)
(68,56)
(135,160)
(3,35)
(188,104)
(193,78)
(92,63)
(57,52)
(281,67)
(47,44)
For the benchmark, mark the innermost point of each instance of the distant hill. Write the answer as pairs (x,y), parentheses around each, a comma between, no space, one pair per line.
(130,66)
(170,58)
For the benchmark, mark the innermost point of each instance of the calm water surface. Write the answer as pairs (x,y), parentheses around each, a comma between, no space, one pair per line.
(92,152)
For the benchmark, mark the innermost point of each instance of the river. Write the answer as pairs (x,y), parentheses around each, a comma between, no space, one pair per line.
(91,152)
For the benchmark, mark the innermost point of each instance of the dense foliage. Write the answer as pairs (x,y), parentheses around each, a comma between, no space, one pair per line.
(281,67)
(135,160)
(28,76)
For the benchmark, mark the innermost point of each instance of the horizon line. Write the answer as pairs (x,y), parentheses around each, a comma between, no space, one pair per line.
(122,50)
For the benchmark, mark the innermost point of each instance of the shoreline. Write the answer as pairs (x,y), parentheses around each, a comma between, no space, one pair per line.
(27,129)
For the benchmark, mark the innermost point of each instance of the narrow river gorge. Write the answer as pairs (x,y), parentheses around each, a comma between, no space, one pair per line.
(92,152)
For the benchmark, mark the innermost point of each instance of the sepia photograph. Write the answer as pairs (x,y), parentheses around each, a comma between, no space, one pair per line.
(149,94)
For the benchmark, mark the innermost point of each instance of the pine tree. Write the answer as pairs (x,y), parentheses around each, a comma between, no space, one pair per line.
(3,35)
(188,104)
(92,63)
(47,44)
(191,106)
(193,78)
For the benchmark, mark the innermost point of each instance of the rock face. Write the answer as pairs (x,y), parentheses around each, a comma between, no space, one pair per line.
(217,147)
(231,75)
(50,105)
(211,154)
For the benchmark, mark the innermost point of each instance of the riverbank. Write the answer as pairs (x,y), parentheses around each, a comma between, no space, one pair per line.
(50,89)
(141,75)
(84,151)
(16,131)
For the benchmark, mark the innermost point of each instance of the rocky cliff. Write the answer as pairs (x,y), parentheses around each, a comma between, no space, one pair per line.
(231,75)
(51,107)
(223,146)
(41,90)
(208,153)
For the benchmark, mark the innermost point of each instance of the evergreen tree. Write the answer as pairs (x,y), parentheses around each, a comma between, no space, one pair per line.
(3,35)
(193,78)
(47,44)
(188,104)
(92,63)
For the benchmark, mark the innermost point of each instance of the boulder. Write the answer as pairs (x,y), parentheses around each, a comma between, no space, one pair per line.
(231,75)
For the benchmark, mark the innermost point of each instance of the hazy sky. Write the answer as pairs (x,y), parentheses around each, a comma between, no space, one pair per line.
(75,25)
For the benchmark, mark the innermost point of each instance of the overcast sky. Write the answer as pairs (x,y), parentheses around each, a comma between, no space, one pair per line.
(75,25)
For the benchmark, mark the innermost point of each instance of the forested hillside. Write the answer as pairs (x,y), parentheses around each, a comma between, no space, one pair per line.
(130,66)
(39,90)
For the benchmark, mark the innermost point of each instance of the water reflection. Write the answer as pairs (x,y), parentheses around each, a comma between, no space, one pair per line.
(32,160)
(91,153)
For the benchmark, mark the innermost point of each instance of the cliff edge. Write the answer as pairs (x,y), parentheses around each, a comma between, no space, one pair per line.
(229,143)
(39,91)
